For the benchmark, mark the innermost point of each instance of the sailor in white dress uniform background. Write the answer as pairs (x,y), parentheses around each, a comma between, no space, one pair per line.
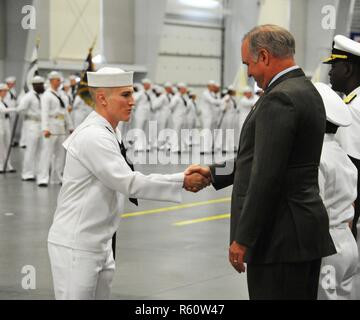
(97,179)
(338,190)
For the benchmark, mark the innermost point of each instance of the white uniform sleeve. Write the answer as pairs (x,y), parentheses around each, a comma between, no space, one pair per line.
(68,121)
(322,182)
(5,110)
(24,104)
(45,106)
(210,99)
(101,155)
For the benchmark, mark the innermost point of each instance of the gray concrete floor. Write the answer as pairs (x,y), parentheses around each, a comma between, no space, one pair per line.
(156,259)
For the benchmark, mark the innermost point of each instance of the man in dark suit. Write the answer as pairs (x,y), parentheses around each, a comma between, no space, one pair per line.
(279,225)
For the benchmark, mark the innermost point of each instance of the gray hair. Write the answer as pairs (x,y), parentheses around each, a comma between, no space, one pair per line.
(275,39)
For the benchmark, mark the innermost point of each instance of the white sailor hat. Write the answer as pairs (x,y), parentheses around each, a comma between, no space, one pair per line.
(37,79)
(231,88)
(3,86)
(146,81)
(211,83)
(158,89)
(110,78)
(336,110)
(10,79)
(216,84)
(344,49)
(72,77)
(54,75)
(182,85)
(246,89)
(168,85)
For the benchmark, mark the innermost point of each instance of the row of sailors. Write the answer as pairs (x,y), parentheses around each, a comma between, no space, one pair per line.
(47,122)
(178,109)
(49,116)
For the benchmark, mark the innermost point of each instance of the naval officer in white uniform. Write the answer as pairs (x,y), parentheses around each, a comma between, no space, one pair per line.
(337,184)
(97,180)
(345,77)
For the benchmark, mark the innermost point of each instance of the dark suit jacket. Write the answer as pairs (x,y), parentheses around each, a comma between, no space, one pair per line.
(276,210)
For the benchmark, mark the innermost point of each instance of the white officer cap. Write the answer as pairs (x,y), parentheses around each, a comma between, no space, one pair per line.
(146,81)
(10,79)
(110,78)
(37,79)
(54,75)
(4,86)
(168,85)
(344,49)
(182,85)
(246,89)
(336,110)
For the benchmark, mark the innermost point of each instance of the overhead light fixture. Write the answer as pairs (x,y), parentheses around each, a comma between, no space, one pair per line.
(204,4)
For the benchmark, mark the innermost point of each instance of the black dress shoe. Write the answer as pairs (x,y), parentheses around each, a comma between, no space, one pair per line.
(28,179)
(12,171)
(42,185)
(15,144)
(2,172)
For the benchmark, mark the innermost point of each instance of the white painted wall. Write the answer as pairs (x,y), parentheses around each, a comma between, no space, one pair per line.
(275,12)
(74,25)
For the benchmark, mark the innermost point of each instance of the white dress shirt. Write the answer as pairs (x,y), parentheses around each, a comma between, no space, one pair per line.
(96,182)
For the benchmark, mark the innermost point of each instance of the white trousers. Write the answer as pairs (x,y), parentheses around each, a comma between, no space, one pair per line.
(355,294)
(81,275)
(33,148)
(337,271)
(5,137)
(52,156)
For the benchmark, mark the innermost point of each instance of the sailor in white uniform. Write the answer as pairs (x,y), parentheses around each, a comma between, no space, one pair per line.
(56,124)
(178,107)
(246,103)
(5,130)
(337,184)
(97,180)
(30,107)
(11,100)
(229,120)
(209,104)
(345,78)
(143,115)
(80,111)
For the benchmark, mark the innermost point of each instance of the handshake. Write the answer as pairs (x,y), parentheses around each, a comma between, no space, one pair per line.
(197,178)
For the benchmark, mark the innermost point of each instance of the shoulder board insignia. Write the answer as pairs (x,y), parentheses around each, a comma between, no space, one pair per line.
(350,98)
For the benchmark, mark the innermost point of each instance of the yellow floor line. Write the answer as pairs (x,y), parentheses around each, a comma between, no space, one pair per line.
(173,208)
(211,218)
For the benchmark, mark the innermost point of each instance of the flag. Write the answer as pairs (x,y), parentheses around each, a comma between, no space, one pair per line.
(83,89)
(33,69)
(241,80)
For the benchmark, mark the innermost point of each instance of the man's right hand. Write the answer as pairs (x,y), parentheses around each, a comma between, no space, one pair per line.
(197,178)
(47,133)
